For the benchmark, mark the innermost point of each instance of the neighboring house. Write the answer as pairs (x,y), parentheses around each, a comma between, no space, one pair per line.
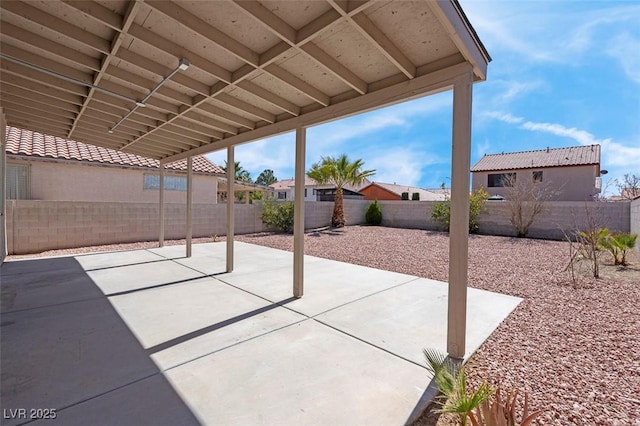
(392,191)
(284,190)
(41,167)
(573,173)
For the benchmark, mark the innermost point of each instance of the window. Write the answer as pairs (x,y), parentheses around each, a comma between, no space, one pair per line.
(498,180)
(305,193)
(171,183)
(537,176)
(18,182)
(282,195)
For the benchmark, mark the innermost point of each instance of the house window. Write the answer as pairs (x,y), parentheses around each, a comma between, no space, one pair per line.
(498,180)
(18,182)
(537,176)
(305,193)
(171,183)
(282,195)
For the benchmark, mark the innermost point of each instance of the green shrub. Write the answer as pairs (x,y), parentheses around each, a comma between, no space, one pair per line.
(618,245)
(373,215)
(415,196)
(405,196)
(441,212)
(278,214)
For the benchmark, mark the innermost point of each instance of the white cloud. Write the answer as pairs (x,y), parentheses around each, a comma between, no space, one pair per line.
(614,153)
(624,48)
(502,116)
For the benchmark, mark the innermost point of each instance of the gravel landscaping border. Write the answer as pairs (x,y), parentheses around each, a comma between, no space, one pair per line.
(575,349)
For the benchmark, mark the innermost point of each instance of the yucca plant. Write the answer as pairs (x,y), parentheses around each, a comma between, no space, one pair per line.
(452,383)
(496,412)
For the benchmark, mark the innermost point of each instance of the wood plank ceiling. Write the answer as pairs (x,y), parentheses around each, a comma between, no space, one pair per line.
(109,73)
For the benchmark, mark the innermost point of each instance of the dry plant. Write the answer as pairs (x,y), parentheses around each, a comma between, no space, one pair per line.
(499,412)
(526,199)
(585,242)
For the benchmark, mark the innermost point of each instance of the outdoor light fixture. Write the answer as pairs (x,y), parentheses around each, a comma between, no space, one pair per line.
(183,64)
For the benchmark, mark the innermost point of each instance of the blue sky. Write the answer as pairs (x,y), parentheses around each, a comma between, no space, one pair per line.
(564,73)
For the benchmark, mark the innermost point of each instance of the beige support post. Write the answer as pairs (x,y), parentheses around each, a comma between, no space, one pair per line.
(231,175)
(298,219)
(161,208)
(3,186)
(189,204)
(459,228)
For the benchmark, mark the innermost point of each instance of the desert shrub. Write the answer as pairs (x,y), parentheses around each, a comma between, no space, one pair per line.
(618,245)
(373,215)
(415,196)
(441,212)
(482,406)
(278,214)
(405,196)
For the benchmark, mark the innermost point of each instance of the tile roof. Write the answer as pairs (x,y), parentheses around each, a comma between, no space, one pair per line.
(555,157)
(425,194)
(33,144)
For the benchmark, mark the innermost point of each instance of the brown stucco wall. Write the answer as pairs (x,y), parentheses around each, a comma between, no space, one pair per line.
(635,222)
(374,192)
(572,183)
(74,181)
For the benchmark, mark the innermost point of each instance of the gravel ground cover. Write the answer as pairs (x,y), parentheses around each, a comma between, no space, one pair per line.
(575,348)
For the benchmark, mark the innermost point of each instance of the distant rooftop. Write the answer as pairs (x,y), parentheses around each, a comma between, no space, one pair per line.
(550,157)
(34,144)
(425,194)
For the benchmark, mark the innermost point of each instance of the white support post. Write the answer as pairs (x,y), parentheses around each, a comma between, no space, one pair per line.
(231,175)
(298,219)
(161,208)
(459,223)
(189,204)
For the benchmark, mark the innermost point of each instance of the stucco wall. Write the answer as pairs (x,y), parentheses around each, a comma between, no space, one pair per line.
(572,183)
(65,181)
(635,222)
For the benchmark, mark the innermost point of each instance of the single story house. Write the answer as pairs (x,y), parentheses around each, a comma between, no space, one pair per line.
(392,191)
(43,167)
(284,190)
(572,173)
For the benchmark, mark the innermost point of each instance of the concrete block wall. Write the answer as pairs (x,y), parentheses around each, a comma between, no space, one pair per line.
(35,226)
(558,216)
(408,214)
(635,222)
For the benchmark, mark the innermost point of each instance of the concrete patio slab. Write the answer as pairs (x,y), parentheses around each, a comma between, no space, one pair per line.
(377,319)
(163,342)
(28,284)
(328,284)
(135,277)
(60,355)
(303,374)
(118,258)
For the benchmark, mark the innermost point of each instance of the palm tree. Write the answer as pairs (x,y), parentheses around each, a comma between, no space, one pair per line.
(339,172)
(241,174)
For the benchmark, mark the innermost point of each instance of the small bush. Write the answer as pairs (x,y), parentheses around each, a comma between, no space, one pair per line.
(441,212)
(278,214)
(373,215)
(415,196)
(405,196)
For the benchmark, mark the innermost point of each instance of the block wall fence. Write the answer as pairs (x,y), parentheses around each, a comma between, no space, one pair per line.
(635,222)
(35,226)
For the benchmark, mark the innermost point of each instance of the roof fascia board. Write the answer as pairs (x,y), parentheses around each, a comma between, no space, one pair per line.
(457,28)
(434,82)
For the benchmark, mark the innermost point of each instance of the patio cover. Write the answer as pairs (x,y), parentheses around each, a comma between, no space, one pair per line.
(169,80)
